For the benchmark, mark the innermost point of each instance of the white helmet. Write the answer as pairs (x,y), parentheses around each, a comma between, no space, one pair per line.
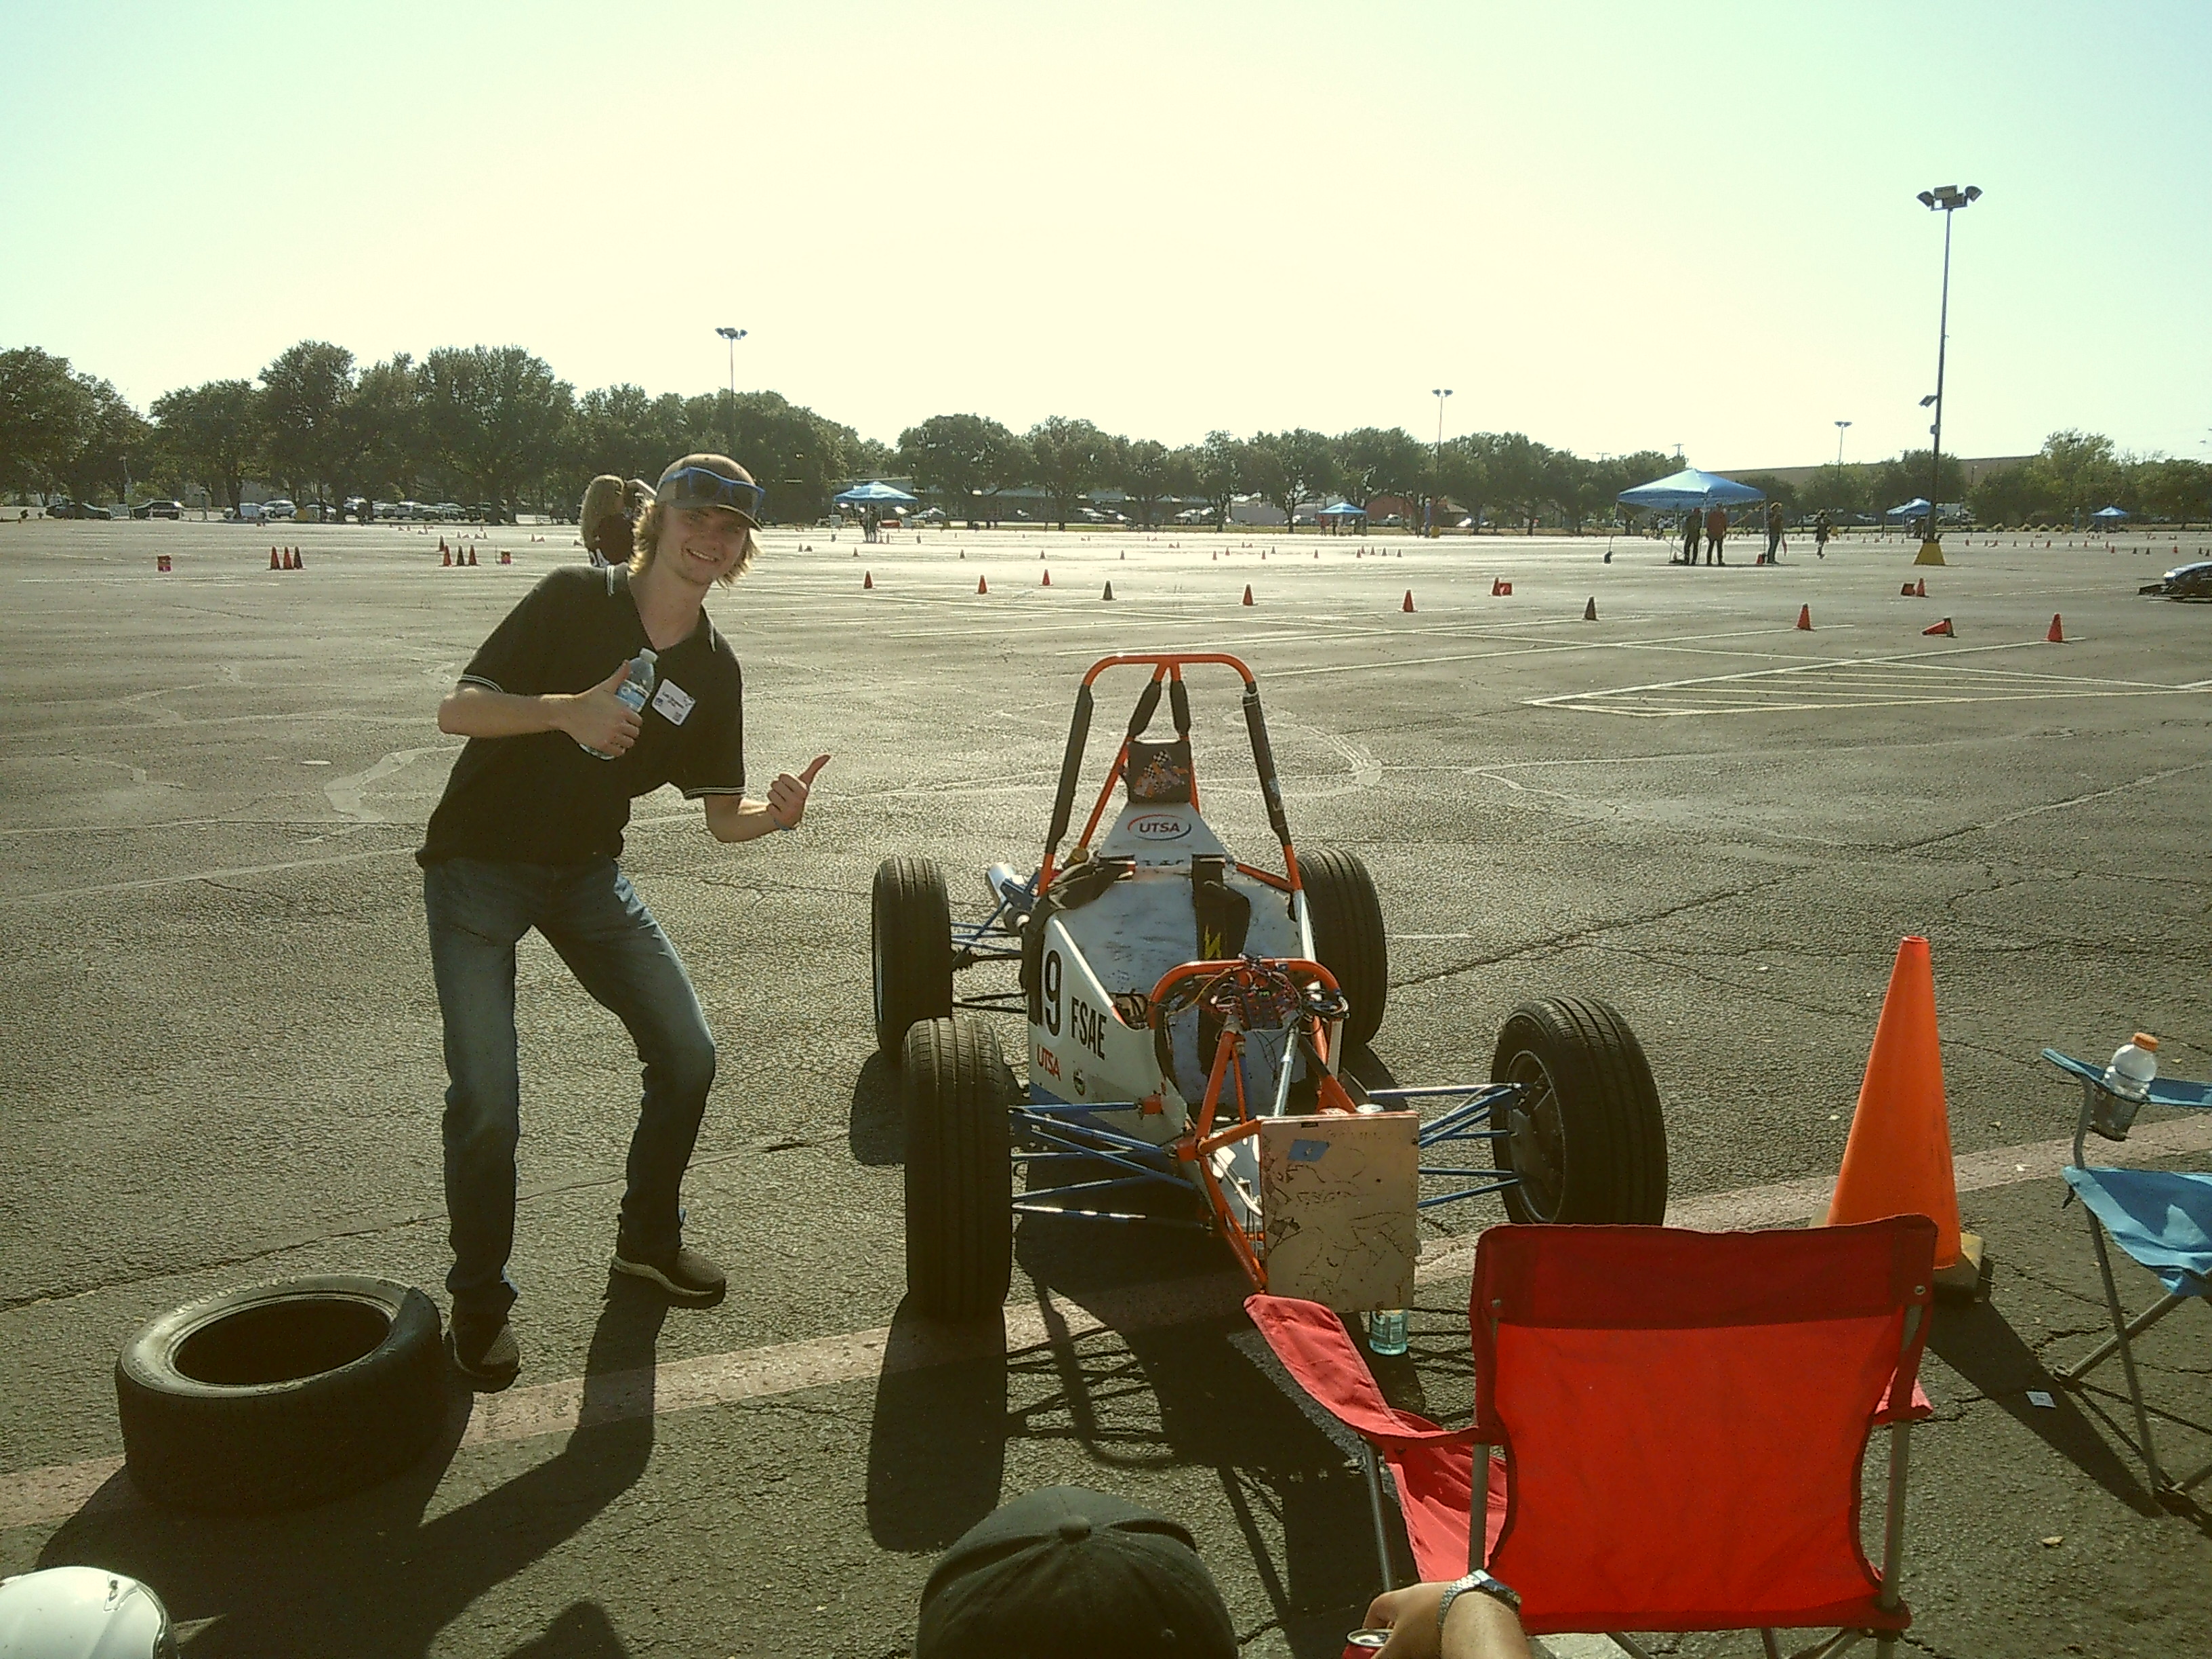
(82,1613)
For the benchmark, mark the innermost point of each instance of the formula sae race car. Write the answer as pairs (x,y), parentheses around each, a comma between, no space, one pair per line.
(1190,1016)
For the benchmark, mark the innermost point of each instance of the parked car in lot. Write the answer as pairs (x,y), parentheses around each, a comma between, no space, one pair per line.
(282,508)
(75,510)
(158,510)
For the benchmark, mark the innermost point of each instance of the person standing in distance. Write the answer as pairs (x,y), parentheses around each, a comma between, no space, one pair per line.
(528,835)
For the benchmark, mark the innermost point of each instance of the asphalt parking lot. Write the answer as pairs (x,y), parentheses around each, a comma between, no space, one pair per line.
(221,1058)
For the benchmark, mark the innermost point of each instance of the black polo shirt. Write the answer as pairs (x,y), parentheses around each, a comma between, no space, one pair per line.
(541,799)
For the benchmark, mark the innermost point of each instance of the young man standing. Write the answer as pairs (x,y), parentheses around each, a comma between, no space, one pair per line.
(527,836)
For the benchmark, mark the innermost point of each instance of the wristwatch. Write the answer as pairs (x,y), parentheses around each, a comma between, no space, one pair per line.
(1482,1584)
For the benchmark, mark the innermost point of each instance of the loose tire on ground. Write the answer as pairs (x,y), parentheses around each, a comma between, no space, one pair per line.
(959,1178)
(1588,1141)
(1347,936)
(910,940)
(281,1395)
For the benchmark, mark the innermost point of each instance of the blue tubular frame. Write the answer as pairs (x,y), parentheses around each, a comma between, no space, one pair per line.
(1475,1101)
(973,942)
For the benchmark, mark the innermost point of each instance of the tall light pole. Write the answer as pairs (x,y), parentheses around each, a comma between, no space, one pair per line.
(730,425)
(1946,199)
(1437,482)
(1840,425)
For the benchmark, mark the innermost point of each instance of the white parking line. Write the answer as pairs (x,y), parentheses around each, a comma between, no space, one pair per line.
(36,1497)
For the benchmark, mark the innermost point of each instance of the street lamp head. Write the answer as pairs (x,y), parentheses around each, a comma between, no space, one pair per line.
(731,334)
(1927,400)
(1949,198)
(1440,391)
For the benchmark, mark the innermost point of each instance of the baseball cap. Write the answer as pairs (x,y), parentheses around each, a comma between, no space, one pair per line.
(711,481)
(1068,1573)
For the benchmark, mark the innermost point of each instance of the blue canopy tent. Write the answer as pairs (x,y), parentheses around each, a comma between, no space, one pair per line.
(1915,508)
(2110,514)
(872,492)
(1342,510)
(1689,488)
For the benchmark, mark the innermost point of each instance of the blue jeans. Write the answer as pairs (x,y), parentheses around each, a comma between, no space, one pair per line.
(593,918)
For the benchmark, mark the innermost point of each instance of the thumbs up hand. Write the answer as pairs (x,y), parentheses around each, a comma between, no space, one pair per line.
(787,796)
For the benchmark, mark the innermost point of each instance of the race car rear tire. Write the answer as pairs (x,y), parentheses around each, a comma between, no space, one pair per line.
(959,1176)
(282,1394)
(1347,936)
(910,945)
(1588,1141)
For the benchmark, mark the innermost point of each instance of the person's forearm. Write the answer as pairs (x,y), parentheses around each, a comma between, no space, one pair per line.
(1480,1626)
(473,711)
(733,819)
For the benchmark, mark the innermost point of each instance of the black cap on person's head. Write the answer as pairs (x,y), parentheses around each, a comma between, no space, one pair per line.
(1067,1573)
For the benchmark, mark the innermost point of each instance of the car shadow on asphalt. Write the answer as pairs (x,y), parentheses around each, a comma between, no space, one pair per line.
(875,1128)
(375,1574)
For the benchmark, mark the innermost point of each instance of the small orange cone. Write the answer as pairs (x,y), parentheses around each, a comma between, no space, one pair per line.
(1108,593)
(506,557)
(1589,611)
(983,584)
(1898,1160)
(442,547)
(1248,592)
(274,563)
(868,579)
(1505,590)
(161,562)
(298,560)
(2057,634)
(1805,618)
(1943,627)
(472,558)
(1409,606)
(1905,591)
(1047,582)
(1920,588)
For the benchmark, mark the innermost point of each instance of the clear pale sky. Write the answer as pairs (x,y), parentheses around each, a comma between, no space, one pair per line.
(1611,227)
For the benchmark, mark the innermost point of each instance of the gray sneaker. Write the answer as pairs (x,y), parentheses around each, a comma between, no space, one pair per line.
(686,1275)
(488,1361)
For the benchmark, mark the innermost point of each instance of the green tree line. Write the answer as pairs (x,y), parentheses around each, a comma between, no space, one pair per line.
(496,425)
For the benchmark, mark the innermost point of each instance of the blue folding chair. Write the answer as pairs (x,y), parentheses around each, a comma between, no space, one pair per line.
(2161,1218)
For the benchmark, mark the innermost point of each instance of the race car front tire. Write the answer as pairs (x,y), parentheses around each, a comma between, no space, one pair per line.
(1586,1137)
(1348,935)
(910,945)
(279,1395)
(959,1176)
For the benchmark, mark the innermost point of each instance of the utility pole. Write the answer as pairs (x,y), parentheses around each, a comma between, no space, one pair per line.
(1436,463)
(730,409)
(1946,199)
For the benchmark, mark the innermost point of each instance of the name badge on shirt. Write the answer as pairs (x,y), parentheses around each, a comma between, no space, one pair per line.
(673,702)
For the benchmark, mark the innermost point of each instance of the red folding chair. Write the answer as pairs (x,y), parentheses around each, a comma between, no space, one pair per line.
(1429,1464)
(1685,1415)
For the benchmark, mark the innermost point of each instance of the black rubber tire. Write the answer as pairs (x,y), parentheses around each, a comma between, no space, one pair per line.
(959,1174)
(1348,935)
(910,948)
(1594,1142)
(280,1396)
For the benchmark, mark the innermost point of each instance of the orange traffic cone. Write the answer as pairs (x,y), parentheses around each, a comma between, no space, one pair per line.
(446,560)
(1589,611)
(1920,588)
(472,558)
(1943,627)
(298,560)
(1108,593)
(2057,634)
(868,579)
(1898,1160)
(1409,606)
(1805,618)
(1047,582)
(442,547)
(1248,592)
(1905,591)
(274,563)
(1505,590)
(983,584)
(506,557)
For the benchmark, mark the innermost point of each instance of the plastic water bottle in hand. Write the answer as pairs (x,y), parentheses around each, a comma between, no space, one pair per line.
(633,691)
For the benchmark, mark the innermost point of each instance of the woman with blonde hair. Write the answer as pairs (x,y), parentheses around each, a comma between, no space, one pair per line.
(609,515)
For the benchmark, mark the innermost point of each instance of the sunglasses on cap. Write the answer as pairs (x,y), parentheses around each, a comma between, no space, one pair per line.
(698,486)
